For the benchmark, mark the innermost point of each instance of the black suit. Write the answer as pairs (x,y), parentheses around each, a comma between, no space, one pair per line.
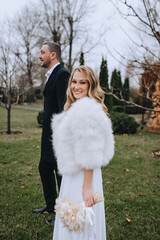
(54,99)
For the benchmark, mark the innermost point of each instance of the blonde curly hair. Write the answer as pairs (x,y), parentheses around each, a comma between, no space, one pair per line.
(94,91)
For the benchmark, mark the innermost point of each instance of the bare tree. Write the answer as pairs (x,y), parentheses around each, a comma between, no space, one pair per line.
(26,26)
(144,54)
(75,13)
(63,21)
(51,18)
(8,71)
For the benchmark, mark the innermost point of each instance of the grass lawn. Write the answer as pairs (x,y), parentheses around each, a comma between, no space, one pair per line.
(131,184)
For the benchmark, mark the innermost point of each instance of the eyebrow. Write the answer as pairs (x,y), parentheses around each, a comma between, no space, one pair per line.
(80,79)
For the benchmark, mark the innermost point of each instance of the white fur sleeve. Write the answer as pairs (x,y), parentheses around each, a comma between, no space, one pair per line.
(93,142)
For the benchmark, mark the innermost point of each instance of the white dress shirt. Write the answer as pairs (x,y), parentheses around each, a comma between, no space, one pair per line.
(48,73)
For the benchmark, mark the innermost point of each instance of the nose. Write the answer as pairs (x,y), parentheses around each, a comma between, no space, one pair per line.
(76,86)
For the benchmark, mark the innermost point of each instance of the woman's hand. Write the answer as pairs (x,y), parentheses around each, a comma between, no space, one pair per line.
(88,197)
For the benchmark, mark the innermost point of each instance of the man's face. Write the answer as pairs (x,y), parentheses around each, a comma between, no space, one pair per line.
(45,57)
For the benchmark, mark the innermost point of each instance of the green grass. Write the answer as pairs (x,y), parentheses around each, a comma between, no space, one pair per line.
(133,194)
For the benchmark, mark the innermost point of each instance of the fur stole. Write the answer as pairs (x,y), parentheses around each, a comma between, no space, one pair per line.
(82,137)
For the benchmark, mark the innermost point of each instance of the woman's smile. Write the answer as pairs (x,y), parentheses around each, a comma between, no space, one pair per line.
(79,86)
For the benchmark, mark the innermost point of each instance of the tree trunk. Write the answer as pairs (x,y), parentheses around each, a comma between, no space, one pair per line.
(9,120)
(70,19)
(142,119)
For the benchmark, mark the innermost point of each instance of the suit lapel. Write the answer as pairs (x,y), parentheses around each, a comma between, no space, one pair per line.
(52,77)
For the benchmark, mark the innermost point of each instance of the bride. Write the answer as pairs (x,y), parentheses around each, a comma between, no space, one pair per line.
(83,142)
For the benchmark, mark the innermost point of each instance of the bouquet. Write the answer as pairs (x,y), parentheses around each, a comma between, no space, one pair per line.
(73,215)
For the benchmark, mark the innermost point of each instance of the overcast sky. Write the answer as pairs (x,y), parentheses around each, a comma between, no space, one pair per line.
(10,7)
(104,12)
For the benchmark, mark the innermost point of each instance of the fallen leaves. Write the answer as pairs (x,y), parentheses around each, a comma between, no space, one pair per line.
(142,195)
(4,163)
(156,153)
(38,147)
(12,133)
(137,155)
(126,170)
(128,220)
(129,145)
(21,185)
(19,182)
(29,174)
(46,212)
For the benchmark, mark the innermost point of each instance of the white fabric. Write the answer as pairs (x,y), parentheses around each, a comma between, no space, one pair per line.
(71,188)
(82,137)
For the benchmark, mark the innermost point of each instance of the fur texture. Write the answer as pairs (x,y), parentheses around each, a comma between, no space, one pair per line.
(82,137)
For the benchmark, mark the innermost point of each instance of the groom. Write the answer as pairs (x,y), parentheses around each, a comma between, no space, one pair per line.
(54,99)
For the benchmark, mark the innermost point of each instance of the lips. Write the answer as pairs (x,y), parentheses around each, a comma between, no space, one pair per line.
(77,92)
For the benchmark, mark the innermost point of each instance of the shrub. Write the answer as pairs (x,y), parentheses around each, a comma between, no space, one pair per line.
(40,118)
(118,108)
(127,109)
(133,110)
(30,98)
(39,97)
(122,123)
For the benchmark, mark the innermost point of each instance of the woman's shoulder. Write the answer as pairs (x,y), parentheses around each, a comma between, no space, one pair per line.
(88,108)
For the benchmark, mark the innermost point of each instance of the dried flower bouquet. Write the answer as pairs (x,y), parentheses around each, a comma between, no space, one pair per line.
(73,215)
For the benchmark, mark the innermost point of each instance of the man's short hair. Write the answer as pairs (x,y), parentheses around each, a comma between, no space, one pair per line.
(54,47)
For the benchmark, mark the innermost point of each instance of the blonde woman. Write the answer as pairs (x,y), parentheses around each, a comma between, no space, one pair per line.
(83,142)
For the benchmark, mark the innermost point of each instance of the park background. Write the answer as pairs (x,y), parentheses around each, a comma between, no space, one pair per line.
(120,40)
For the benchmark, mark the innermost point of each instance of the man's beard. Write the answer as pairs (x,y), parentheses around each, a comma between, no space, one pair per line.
(45,64)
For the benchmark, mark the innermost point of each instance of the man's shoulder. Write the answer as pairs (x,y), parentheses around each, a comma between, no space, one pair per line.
(62,72)
(62,69)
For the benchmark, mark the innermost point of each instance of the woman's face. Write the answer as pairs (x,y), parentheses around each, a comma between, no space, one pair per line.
(79,85)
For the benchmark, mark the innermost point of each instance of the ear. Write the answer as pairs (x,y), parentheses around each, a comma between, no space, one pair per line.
(53,55)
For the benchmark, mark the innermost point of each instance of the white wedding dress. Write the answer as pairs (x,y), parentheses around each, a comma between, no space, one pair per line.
(71,188)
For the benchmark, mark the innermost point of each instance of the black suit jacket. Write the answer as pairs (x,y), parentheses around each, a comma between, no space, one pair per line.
(54,100)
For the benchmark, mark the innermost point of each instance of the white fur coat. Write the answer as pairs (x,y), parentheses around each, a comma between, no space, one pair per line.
(82,137)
